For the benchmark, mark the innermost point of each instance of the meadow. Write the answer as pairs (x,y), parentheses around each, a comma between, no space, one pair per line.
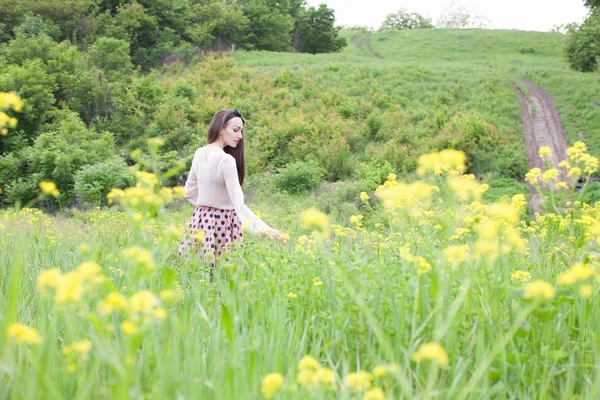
(421,280)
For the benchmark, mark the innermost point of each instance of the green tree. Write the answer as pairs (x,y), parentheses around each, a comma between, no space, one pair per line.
(217,24)
(36,87)
(592,4)
(404,20)
(269,29)
(72,16)
(457,16)
(318,34)
(112,56)
(583,44)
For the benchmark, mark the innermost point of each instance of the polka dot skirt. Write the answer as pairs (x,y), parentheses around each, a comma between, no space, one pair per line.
(220,228)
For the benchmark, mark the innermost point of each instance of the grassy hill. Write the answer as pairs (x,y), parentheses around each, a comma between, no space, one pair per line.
(392,96)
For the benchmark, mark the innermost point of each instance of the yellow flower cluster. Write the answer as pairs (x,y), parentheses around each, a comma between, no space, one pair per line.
(8,101)
(408,196)
(545,152)
(76,353)
(578,272)
(140,257)
(271,384)
(70,287)
(579,158)
(448,160)
(312,374)
(579,164)
(465,187)
(538,290)
(22,334)
(313,218)
(306,244)
(456,254)
(144,197)
(364,197)
(49,189)
(358,381)
(356,221)
(422,265)
(433,352)
(521,276)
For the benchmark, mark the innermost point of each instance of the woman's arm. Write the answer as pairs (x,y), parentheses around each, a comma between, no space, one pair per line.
(190,192)
(248,218)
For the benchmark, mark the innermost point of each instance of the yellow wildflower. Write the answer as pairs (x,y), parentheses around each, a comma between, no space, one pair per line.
(308,363)
(441,162)
(50,278)
(523,276)
(128,327)
(10,100)
(364,197)
(313,218)
(356,220)
(456,255)
(431,351)
(379,371)
(82,348)
(114,301)
(271,384)
(545,152)
(22,334)
(324,376)
(533,176)
(49,188)
(538,289)
(141,257)
(550,175)
(374,394)
(578,272)
(574,172)
(586,291)
(358,381)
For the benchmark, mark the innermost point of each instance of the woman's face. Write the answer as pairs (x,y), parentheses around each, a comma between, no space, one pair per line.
(233,132)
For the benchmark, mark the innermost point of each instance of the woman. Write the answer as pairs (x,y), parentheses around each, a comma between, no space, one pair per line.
(214,186)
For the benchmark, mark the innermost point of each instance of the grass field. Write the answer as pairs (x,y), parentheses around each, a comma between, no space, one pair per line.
(424,286)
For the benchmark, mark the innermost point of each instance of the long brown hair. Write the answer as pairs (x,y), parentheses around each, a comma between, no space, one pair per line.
(220,121)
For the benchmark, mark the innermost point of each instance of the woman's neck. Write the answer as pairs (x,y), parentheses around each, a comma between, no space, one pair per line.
(217,143)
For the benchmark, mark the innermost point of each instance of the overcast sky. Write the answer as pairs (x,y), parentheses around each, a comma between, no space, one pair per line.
(532,15)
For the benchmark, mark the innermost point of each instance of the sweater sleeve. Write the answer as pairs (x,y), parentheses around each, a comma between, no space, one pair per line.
(190,192)
(252,223)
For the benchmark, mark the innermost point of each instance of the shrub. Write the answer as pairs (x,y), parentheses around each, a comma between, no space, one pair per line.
(93,182)
(299,177)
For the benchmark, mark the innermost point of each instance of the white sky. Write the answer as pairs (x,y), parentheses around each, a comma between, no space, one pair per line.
(532,15)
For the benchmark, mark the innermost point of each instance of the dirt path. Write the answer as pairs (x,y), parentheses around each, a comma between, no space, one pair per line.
(364,47)
(368,46)
(541,127)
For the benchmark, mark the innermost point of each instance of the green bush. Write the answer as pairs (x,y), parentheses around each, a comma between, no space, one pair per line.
(342,199)
(93,182)
(299,177)
(504,187)
(591,193)
(374,172)
(111,55)
(67,146)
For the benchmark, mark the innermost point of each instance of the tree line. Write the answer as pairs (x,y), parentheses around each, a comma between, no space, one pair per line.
(158,29)
(583,41)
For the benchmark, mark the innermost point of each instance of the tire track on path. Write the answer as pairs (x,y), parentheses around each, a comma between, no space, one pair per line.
(541,127)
